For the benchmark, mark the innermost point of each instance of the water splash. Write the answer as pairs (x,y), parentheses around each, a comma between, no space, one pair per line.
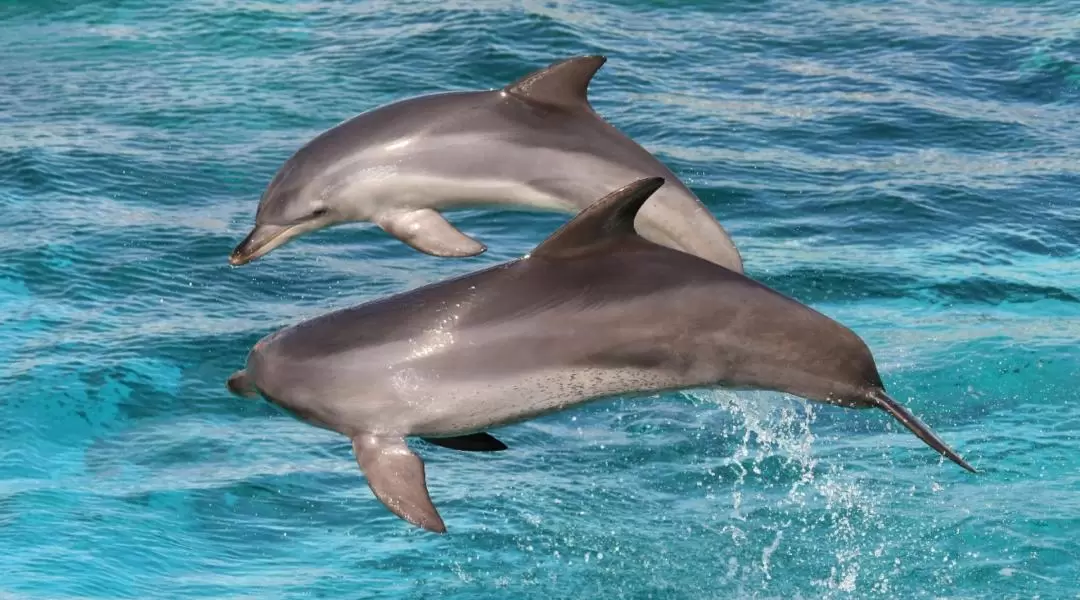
(777,472)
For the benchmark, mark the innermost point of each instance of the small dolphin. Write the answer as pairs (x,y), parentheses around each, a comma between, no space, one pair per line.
(536,143)
(594,311)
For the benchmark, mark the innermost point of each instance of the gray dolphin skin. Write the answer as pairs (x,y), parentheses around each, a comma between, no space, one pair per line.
(534,144)
(595,311)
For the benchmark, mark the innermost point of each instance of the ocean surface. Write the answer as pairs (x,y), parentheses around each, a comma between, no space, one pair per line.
(910,168)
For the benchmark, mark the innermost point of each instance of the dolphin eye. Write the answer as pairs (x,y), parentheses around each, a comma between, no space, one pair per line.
(320,212)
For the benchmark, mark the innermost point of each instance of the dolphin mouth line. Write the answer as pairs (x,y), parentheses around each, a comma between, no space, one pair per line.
(250,249)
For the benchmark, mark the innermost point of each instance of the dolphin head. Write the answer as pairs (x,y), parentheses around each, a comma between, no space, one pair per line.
(789,347)
(844,373)
(294,203)
(347,174)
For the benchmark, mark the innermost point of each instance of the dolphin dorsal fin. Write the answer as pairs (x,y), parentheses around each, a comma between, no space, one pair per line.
(564,84)
(607,219)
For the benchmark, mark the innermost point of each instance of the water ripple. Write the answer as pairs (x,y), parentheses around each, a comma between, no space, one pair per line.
(908,168)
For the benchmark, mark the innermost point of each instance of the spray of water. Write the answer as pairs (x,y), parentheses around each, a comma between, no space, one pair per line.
(775,470)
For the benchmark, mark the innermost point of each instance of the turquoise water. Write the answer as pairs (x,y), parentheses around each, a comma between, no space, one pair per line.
(910,168)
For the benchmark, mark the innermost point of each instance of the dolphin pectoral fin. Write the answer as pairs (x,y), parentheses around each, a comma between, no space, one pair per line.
(429,232)
(924,433)
(396,475)
(240,384)
(476,442)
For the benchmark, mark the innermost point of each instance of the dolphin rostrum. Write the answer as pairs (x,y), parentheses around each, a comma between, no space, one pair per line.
(594,311)
(536,143)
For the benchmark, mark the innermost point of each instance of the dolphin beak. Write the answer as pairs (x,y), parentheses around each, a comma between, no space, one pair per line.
(262,239)
(884,402)
(241,385)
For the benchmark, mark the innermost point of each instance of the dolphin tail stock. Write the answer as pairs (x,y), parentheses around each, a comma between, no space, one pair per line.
(396,476)
(241,385)
(924,433)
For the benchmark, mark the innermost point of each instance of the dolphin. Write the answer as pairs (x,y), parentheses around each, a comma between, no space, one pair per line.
(594,311)
(536,143)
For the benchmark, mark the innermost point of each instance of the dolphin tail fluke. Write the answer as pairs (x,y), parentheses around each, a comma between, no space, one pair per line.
(241,385)
(395,475)
(909,420)
(429,232)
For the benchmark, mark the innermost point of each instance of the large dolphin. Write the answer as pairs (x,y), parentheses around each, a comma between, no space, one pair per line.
(594,311)
(536,143)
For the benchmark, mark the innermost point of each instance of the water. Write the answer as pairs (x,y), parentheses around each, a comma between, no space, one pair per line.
(910,168)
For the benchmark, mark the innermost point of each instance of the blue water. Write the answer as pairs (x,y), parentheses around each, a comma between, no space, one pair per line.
(910,168)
